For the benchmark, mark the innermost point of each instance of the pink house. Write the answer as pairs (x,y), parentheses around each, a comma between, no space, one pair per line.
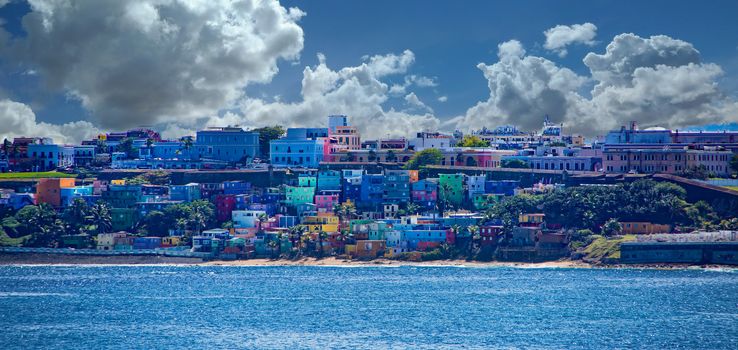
(325,202)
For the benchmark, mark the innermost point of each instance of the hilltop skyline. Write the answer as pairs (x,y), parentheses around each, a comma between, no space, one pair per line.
(180,66)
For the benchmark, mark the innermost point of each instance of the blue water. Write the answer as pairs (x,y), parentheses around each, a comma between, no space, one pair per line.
(175,307)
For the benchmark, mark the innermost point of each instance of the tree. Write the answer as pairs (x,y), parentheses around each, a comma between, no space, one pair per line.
(201,214)
(6,148)
(126,146)
(428,156)
(262,218)
(734,163)
(266,135)
(101,146)
(76,216)
(41,223)
(412,208)
(473,141)
(514,163)
(372,155)
(391,157)
(612,227)
(154,224)
(156,177)
(473,236)
(101,218)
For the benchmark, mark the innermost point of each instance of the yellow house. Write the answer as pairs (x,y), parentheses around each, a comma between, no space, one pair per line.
(642,228)
(170,241)
(531,218)
(118,182)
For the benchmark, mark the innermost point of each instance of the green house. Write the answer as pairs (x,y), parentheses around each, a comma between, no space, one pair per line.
(451,188)
(123,219)
(295,196)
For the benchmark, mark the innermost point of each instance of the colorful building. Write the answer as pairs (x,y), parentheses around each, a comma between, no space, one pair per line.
(451,189)
(49,190)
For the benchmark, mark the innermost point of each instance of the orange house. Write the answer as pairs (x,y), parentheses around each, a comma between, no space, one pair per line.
(49,190)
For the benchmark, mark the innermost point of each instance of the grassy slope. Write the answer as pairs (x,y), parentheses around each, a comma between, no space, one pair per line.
(602,248)
(6,241)
(33,175)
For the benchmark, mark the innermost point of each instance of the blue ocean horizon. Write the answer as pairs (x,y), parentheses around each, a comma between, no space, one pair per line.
(317,307)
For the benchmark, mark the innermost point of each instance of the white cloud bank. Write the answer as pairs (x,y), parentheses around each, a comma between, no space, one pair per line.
(561,36)
(18,120)
(180,63)
(656,80)
(156,61)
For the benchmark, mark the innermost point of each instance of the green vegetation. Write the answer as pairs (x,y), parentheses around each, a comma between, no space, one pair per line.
(429,156)
(603,248)
(514,163)
(734,188)
(267,134)
(473,141)
(156,177)
(592,207)
(7,241)
(734,163)
(34,175)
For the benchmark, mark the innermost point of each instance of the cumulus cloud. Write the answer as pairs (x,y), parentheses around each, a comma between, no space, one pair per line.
(415,103)
(155,61)
(357,90)
(656,80)
(443,98)
(561,36)
(412,80)
(18,120)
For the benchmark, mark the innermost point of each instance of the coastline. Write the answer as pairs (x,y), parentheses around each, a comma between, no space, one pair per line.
(30,259)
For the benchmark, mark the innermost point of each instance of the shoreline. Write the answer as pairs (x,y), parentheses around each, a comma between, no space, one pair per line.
(36,259)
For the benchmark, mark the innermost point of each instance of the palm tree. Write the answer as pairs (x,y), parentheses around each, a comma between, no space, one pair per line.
(321,236)
(101,218)
(186,145)
(412,208)
(391,156)
(273,246)
(295,235)
(181,224)
(262,218)
(473,235)
(456,229)
(6,148)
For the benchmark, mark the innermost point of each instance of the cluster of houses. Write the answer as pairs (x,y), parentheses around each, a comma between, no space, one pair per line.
(627,150)
(390,211)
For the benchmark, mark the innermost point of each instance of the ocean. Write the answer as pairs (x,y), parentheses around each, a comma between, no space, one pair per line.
(407,307)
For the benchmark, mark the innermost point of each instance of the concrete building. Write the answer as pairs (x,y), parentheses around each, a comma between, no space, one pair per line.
(305,147)
(666,160)
(49,190)
(230,144)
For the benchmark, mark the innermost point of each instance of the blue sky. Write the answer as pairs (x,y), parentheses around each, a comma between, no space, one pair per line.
(448,39)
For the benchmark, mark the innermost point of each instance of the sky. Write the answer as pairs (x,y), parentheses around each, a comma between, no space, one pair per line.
(71,69)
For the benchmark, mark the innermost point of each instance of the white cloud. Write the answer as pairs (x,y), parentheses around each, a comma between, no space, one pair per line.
(561,36)
(443,98)
(357,91)
(415,103)
(155,61)
(657,81)
(410,80)
(18,120)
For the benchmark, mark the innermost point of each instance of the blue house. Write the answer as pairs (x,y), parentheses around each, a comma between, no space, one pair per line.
(372,191)
(506,187)
(229,144)
(301,147)
(185,193)
(329,180)
(236,187)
